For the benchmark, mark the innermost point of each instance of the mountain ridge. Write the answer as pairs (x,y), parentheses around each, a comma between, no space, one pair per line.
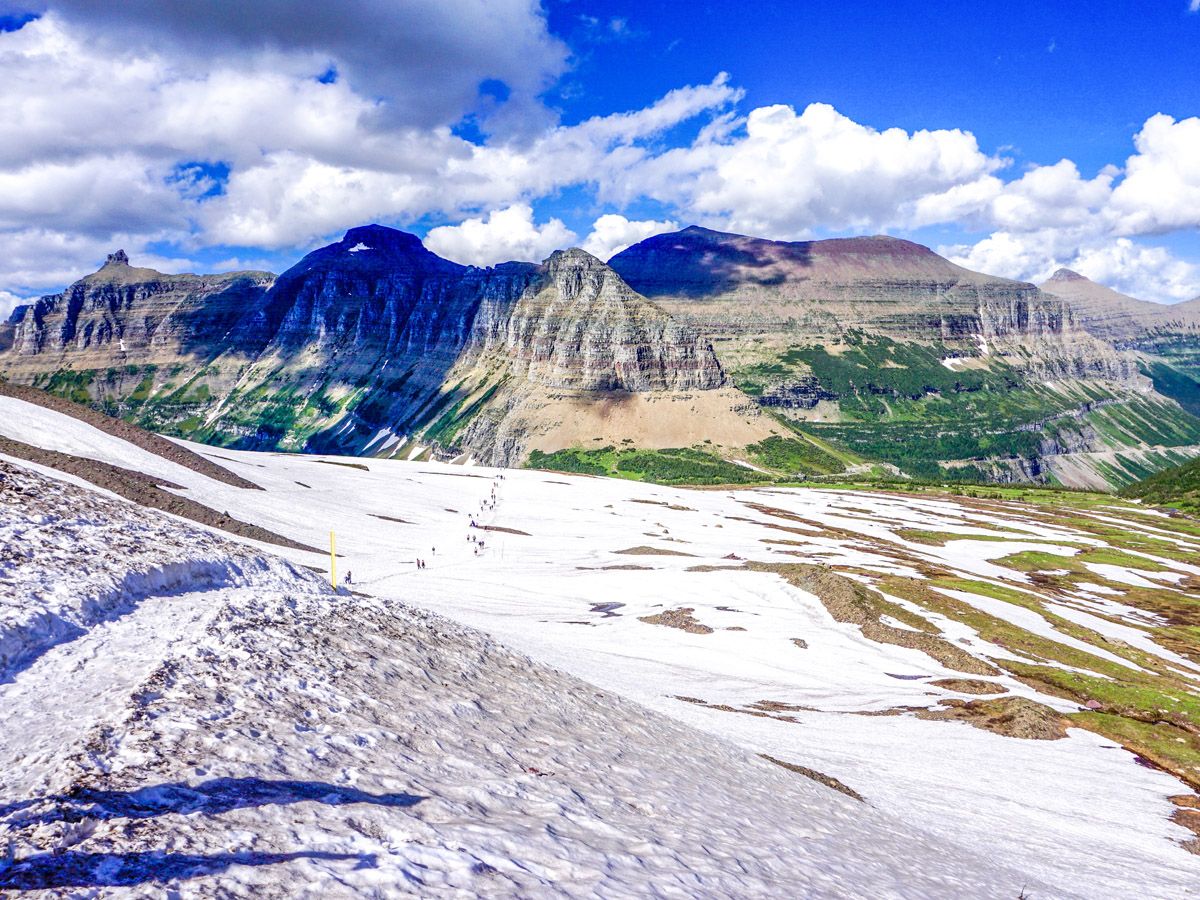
(374,344)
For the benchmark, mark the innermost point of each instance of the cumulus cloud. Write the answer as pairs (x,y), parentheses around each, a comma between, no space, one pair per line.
(9,302)
(612,233)
(425,58)
(212,129)
(784,173)
(503,235)
(1142,271)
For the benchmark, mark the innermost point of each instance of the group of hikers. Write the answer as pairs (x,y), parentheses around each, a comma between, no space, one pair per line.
(488,504)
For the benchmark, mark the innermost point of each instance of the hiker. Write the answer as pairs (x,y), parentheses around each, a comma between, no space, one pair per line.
(349,577)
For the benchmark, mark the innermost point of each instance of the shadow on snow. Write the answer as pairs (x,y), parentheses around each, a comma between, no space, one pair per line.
(62,869)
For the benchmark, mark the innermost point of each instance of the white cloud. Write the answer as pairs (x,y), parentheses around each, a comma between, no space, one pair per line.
(1142,271)
(1161,188)
(9,302)
(425,59)
(612,233)
(786,173)
(505,234)
(1194,6)
(111,141)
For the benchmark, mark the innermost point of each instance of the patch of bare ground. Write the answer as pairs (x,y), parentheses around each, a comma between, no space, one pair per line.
(678,618)
(775,706)
(390,518)
(1187,815)
(758,713)
(303,485)
(708,568)
(139,437)
(828,780)
(808,532)
(968,685)
(651,551)
(345,465)
(853,603)
(1017,717)
(801,643)
(144,491)
(674,506)
(623,567)
(504,530)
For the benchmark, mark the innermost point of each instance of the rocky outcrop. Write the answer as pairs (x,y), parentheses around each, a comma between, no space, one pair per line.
(577,325)
(123,314)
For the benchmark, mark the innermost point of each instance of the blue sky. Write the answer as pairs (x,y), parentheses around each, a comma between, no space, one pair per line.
(1012,137)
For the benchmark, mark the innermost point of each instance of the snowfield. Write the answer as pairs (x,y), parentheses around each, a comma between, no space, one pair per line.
(285,739)
(251,732)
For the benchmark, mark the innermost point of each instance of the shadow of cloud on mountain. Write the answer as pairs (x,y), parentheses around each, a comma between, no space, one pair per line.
(219,795)
(699,263)
(72,869)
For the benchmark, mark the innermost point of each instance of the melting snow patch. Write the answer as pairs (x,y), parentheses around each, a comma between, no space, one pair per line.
(359,247)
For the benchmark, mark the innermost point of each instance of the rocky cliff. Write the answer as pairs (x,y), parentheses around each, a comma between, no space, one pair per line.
(734,284)
(577,325)
(372,334)
(122,314)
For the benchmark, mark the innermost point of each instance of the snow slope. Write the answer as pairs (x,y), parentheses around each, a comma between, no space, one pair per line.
(284,740)
(1077,815)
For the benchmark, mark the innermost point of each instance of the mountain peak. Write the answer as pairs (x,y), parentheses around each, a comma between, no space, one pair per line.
(117,259)
(575,258)
(1066,275)
(381,237)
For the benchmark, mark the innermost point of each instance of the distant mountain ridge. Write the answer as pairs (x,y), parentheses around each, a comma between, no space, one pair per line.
(797,357)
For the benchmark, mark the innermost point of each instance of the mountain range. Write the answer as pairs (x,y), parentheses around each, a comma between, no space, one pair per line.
(690,356)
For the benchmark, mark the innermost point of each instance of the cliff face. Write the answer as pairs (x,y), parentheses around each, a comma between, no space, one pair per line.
(578,326)
(122,314)
(375,345)
(734,284)
(372,333)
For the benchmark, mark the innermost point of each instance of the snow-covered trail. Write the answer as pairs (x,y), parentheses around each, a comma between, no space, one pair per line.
(80,684)
(280,740)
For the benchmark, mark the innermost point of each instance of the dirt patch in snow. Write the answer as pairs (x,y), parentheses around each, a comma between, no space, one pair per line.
(678,618)
(828,780)
(139,437)
(674,506)
(144,491)
(650,551)
(708,568)
(346,465)
(856,604)
(1187,815)
(1017,717)
(391,519)
(505,530)
(624,567)
(968,685)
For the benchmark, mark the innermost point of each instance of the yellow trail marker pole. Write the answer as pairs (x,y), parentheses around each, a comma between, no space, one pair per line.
(333,560)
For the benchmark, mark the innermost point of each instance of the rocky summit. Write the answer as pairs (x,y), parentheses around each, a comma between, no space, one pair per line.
(694,355)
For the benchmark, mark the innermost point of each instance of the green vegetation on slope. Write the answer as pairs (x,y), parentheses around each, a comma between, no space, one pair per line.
(1178,487)
(681,465)
(899,403)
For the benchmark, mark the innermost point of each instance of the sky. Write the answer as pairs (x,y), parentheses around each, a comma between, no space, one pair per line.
(1012,137)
